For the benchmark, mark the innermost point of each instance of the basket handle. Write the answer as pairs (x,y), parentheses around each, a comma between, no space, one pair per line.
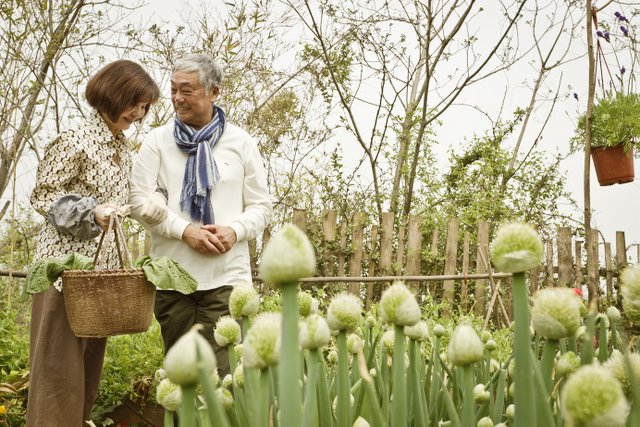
(115,225)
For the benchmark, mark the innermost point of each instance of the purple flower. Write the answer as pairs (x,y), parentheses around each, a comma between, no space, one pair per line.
(606,35)
(575,96)
(622,70)
(624,30)
(599,33)
(617,14)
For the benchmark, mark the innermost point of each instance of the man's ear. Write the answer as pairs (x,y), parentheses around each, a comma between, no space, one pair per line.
(215,92)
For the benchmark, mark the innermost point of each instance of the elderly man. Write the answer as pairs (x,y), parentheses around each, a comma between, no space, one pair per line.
(208,196)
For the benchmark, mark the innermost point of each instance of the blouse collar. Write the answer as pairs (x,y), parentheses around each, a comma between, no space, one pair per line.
(96,120)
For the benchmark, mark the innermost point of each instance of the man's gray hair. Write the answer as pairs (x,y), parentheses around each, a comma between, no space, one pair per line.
(210,72)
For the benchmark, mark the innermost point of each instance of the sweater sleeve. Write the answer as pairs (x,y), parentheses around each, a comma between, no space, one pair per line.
(257,206)
(60,166)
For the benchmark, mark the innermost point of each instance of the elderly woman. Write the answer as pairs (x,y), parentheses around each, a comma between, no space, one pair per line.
(84,171)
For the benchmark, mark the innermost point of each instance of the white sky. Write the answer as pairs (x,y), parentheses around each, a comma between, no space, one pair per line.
(614,206)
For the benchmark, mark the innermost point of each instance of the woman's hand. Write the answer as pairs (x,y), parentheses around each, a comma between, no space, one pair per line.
(102,213)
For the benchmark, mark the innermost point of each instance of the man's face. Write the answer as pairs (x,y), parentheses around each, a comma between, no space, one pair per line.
(192,104)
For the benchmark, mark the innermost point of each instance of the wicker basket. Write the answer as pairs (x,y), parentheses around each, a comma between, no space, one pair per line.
(102,302)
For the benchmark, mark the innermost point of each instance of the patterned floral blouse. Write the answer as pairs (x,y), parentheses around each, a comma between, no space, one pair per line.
(87,161)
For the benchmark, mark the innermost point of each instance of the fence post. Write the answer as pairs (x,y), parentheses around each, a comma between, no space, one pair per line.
(548,248)
(300,219)
(451,253)
(385,245)
(414,245)
(397,267)
(329,226)
(564,256)
(465,271)
(433,286)
(482,267)
(372,265)
(592,265)
(357,235)
(621,260)
(607,270)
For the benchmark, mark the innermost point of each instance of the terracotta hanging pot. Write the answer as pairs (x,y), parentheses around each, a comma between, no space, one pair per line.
(613,165)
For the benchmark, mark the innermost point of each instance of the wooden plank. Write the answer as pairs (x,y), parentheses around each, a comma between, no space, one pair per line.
(373,249)
(450,257)
(548,276)
(397,267)
(357,243)
(578,271)
(433,287)
(414,249)
(329,229)
(621,250)
(300,218)
(565,263)
(608,265)
(342,249)
(465,271)
(386,235)
(480,290)
(592,265)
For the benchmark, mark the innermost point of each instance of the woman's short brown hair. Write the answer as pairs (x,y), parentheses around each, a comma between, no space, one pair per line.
(119,85)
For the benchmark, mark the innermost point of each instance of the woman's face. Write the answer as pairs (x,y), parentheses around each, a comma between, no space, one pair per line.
(126,118)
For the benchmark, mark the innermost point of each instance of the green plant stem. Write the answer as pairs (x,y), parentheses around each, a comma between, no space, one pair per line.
(614,335)
(376,418)
(343,414)
(399,400)
(498,406)
(324,402)
(418,402)
(311,395)
(543,401)
(264,398)
(603,347)
(468,416)
(587,343)
(168,418)
(523,398)
(188,409)
(548,359)
(217,415)
(289,377)
(233,360)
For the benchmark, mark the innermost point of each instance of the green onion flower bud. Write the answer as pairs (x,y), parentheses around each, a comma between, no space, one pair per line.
(480,395)
(332,357)
(307,304)
(512,389)
(227,381)
(387,340)
(593,397)
(602,318)
(361,422)
(354,343)
(399,306)
(567,364)
(491,345)
(617,366)
(516,248)
(314,332)
(485,336)
(182,361)
(494,365)
(510,412)
(227,331)
(439,330)
(238,376)
(446,423)
(239,349)
(630,289)
(511,368)
(288,257)
(465,346)
(159,375)
(344,312)
(418,332)
(485,422)
(243,301)
(169,395)
(555,313)
(370,321)
(581,333)
(262,343)
(613,314)
(224,397)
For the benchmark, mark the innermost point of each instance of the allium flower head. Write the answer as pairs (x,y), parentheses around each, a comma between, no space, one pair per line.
(224,397)
(361,422)
(480,395)
(314,332)
(190,352)
(516,248)
(388,340)
(399,306)
(567,364)
(555,313)
(262,343)
(613,314)
(491,345)
(344,312)
(465,346)
(593,397)
(354,343)
(630,289)
(227,331)
(617,366)
(418,332)
(439,330)
(169,395)
(485,422)
(238,376)
(243,301)
(288,257)
(307,304)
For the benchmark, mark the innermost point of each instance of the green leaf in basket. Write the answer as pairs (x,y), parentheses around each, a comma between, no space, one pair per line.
(43,273)
(75,261)
(166,274)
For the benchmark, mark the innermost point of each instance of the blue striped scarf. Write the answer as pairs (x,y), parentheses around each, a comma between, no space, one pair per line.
(201,172)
